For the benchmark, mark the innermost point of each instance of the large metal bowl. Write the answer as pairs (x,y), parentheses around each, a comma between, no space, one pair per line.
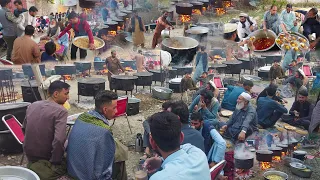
(258,34)
(86,37)
(279,173)
(161,93)
(17,173)
(182,54)
(296,35)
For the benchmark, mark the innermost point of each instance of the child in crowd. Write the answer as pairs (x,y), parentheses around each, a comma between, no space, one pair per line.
(203,79)
(64,40)
(49,55)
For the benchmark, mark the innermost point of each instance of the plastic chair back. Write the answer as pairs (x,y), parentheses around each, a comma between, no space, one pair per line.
(218,82)
(307,70)
(14,126)
(122,106)
(215,170)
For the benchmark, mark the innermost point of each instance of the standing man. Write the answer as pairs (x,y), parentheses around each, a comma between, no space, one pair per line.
(81,28)
(162,23)
(45,133)
(9,24)
(19,7)
(30,17)
(271,20)
(288,20)
(113,65)
(138,29)
(140,61)
(25,49)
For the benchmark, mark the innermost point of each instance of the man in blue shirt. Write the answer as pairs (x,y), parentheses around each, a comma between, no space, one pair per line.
(19,6)
(269,111)
(215,146)
(178,162)
(229,101)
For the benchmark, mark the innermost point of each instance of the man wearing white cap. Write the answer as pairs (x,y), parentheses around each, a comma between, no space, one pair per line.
(246,25)
(243,121)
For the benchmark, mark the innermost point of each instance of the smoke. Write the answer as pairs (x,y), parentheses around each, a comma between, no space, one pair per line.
(240,152)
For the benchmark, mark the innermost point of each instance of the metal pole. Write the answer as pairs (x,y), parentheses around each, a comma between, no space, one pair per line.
(38,77)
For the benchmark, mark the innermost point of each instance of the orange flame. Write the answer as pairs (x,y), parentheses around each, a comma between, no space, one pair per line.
(295,148)
(185,18)
(67,77)
(265,165)
(196,11)
(204,9)
(104,71)
(118,28)
(226,4)
(276,158)
(112,33)
(220,11)
(128,69)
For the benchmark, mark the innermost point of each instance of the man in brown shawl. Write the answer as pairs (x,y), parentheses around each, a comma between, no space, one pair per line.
(137,29)
(113,65)
(162,24)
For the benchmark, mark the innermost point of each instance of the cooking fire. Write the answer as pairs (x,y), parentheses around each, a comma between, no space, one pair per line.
(226,4)
(220,11)
(276,158)
(112,33)
(242,174)
(67,77)
(185,18)
(196,12)
(265,165)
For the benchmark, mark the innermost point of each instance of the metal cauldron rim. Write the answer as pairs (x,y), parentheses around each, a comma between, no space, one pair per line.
(6,106)
(181,37)
(269,31)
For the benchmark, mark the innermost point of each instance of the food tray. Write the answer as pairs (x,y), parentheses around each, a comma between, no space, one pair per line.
(296,42)
(101,42)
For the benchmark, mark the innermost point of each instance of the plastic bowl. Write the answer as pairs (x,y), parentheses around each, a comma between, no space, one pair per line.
(17,173)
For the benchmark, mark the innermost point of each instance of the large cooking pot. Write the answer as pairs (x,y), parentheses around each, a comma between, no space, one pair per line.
(27,70)
(30,92)
(184,8)
(261,34)
(182,70)
(158,75)
(161,93)
(264,156)
(197,5)
(144,79)
(243,163)
(65,69)
(284,147)
(16,109)
(123,82)
(198,33)
(301,155)
(182,49)
(133,106)
(276,151)
(263,72)
(279,173)
(90,86)
(174,84)
(83,66)
(6,74)
(87,4)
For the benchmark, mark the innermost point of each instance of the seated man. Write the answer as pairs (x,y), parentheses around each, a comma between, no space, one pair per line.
(269,111)
(49,54)
(187,83)
(276,97)
(209,86)
(146,144)
(203,79)
(207,105)
(178,162)
(229,101)
(191,135)
(45,133)
(301,111)
(214,144)
(92,151)
(311,22)
(243,121)
(276,71)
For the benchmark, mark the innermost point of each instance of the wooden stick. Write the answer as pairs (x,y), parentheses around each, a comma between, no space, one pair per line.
(38,77)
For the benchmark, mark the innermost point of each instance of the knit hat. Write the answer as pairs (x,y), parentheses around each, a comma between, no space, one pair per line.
(246,96)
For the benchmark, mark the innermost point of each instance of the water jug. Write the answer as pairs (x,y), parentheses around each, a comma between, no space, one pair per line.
(139,143)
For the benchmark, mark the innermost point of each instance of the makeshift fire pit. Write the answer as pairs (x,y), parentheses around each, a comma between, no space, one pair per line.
(184,8)
(90,86)
(182,70)
(158,75)
(233,67)
(144,79)
(83,66)
(123,83)
(27,70)
(197,8)
(65,70)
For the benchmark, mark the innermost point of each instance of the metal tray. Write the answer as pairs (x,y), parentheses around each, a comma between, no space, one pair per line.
(296,41)
(86,37)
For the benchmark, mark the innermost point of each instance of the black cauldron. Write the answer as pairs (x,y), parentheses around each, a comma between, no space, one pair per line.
(30,94)
(174,85)
(247,64)
(90,86)
(182,70)
(113,26)
(233,67)
(65,69)
(264,156)
(172,73)
(184,8)
(158,76)
(182,49)
(133,106)
(98,65)
(6,74)
(144,79)
(27,70)
(83,66)
(243,163)
(198,33)
(197,5)
(123,83)
(87,4)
